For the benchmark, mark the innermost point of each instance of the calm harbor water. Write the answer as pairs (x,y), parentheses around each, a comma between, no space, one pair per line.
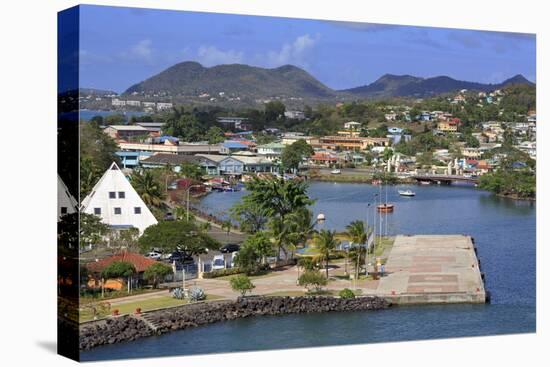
(504,231)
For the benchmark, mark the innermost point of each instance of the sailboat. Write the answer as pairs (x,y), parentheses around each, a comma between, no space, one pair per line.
(385,207)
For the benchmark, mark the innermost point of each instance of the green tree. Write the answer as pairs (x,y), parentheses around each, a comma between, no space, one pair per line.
(242,284)
(226,224)
(157,272)
(325,242)
(251,217)
(191,170)
(184,125)
(119,269)
(180,235)
(312,279)
(149,187)
(274,110)
(278,198)
(83,229)
(116,119)
(358,236)
(214,135)
(294,153)
(261,245)
(247,259)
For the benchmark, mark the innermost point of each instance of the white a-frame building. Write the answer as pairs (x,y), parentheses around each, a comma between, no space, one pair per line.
(117,203)
(66,203)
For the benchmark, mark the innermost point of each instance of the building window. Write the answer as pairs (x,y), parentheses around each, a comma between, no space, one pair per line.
(112,195)
(63,210)
(97,211)
(137,210)
(118,211)
(121,195)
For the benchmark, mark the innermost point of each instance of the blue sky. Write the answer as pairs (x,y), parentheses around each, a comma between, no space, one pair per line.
(123,46)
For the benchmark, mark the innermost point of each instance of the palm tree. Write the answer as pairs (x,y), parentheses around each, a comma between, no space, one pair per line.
(148,187)
(300,226)
(226,224)
(325,243)
(358,235)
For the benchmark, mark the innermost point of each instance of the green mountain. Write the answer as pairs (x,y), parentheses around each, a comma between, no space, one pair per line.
(409,86)
(191,82)
(191,79)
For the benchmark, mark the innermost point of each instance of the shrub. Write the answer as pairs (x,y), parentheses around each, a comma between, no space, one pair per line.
(197,294)
(312,279)
(346,293)
(221,273)
(307,263)
(242,283)
(157,272)
(178,293)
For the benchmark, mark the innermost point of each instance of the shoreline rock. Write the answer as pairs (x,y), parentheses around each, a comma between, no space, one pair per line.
(129,328)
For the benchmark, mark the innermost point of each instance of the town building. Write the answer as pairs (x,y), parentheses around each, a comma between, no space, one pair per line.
(125,132)
(115,201)
(132,160)
(169,146)
(162,106)
(271,151)
(348,143)
(449,126)
(290,138)
(469,152)
(217,165)
(115,102)
(232,122)
(295,115)
(232,146)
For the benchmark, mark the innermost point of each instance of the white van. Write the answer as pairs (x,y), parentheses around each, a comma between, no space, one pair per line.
(218,262)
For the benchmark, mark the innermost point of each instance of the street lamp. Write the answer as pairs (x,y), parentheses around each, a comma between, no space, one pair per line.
(188,190)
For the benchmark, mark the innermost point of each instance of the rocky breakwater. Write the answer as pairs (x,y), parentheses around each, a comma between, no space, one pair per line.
(130,328)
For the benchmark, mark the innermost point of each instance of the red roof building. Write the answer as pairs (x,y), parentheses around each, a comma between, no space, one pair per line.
(140,262)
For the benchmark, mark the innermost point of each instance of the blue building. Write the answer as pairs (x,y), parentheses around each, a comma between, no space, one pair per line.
(132,159)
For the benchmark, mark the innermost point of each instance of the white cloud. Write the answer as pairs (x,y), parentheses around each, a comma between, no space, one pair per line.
(211,55)
(293,53)
(141,51)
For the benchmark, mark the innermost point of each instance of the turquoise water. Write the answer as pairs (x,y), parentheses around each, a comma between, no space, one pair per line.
(504,231)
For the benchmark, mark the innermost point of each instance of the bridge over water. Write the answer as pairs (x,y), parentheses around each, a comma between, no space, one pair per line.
(445,178)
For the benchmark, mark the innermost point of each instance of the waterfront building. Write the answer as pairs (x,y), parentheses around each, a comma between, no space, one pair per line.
(66,203)
(217,165)
(271,151)
(115,102)
(322,159)
(115,201)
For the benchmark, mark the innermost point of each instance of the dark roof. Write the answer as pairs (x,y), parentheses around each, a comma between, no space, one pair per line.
(172,159)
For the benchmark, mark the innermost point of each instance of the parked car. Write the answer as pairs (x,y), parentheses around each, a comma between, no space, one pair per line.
(155,255)
(169,216)
(180,257)
(173,186)
(229,248)
(218,262)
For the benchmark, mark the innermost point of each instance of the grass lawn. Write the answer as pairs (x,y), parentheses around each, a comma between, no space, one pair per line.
(113,295)
(145,305)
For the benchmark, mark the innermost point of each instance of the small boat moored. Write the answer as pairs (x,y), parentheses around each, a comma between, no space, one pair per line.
(385,208)
(406,193)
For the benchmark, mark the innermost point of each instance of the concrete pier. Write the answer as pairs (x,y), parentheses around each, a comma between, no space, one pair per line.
(425,269)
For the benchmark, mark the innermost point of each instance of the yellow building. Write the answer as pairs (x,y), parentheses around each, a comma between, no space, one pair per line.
(349,143)
(447,126)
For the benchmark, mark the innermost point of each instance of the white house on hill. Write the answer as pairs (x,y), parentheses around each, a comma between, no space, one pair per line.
(117,203)
(66,203)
